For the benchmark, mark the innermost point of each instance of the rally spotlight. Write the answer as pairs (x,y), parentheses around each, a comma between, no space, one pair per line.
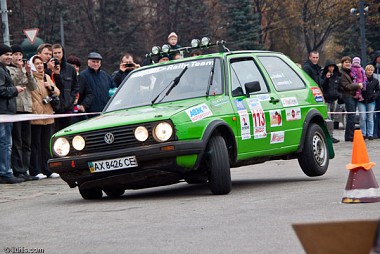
(195,43)
(156,50)
(165,48)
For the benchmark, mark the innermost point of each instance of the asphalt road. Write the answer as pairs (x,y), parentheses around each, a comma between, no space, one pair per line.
(256,217)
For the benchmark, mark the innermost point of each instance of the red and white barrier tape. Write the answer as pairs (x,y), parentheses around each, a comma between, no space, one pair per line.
(28,117)
(346,113)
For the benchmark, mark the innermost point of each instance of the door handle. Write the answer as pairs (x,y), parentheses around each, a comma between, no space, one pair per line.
(273,100)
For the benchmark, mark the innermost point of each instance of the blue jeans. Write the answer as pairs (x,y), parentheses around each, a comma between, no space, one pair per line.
(5,149)
(351,105)
(366,119)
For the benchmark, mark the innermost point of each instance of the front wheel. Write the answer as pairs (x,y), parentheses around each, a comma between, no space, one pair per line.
(218,166)
(314,158)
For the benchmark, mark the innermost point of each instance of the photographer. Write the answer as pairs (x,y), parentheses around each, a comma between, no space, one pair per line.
(21,74)
(127,65)
(43,97)
(68,86)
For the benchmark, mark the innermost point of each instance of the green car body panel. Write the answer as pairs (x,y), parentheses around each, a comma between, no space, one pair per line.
(256,126)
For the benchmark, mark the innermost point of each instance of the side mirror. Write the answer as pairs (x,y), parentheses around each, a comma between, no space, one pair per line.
(252,87)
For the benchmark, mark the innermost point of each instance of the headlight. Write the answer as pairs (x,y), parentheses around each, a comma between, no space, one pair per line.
(165,48)
(205,41)
(162,132)
(195,43)
(61,146)
(156,50)
(141,133)
(78,143)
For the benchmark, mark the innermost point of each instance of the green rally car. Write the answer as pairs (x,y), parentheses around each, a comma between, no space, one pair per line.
(193,119)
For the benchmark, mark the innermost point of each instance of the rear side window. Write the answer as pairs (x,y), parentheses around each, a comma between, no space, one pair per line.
(244,70)
(283,77)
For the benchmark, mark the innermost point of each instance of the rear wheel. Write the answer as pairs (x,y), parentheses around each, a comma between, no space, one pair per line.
(94,193)
(314,159)
(114,192)
(218,166)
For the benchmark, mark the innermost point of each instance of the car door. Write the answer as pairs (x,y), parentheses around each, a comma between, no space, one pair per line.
(259,116)
(293,93)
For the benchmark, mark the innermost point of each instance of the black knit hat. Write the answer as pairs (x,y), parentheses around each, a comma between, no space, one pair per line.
(4,49)
(17,48)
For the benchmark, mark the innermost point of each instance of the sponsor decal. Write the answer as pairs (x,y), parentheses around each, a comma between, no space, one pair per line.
(240,105)
(275,118)
(198,112)
(245,125)
(263,97)
(318,96)
(218,102)
(293,114)
(258,116)
(178,66)
(289,101)
(277,137)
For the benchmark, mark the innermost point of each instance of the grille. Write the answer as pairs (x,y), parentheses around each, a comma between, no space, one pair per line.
(123,138)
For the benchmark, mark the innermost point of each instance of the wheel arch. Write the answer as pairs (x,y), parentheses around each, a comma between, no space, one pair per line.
(314,116)
(219,127)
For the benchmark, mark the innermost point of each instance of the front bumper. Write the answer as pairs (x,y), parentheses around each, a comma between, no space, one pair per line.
(153,161)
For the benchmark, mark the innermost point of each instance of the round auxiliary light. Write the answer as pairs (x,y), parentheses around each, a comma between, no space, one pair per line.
(205,41)
(165,48)
(78,143)
(162,132)
(156,50)
(61,147)
(141,133)
(195,43)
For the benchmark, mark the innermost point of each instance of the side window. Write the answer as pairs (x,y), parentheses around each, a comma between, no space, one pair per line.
(244,71)
(283,77)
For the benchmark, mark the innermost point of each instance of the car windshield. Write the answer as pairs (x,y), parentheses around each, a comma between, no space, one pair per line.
(143,86)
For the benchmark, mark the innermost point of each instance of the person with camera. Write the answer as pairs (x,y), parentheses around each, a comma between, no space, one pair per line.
(68,86)
(8,93)
(127,65)
(331,88)
(46,94)
(21,74)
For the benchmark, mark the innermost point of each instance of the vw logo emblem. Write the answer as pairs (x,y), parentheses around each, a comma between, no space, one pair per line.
(109,138)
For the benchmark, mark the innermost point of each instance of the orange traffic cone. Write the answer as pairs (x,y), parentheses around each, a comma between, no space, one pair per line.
(361,185)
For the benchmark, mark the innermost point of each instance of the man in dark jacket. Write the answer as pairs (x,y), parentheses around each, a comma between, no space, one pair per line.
(312,68)
(99,81)
(8,93)
(69,87)
(331,88)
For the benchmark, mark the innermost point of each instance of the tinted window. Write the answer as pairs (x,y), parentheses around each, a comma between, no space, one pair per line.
(283,77)
(244,71)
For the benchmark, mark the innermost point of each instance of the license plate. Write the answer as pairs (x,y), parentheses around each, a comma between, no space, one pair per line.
(113,164)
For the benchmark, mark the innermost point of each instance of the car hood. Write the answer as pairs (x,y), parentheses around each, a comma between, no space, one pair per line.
(132,116)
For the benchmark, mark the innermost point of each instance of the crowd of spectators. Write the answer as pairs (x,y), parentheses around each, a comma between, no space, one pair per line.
(355,87)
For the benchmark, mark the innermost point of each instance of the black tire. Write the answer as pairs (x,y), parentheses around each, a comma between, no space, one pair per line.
(218,166)
(314,158)
(91,193)
(114,192)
